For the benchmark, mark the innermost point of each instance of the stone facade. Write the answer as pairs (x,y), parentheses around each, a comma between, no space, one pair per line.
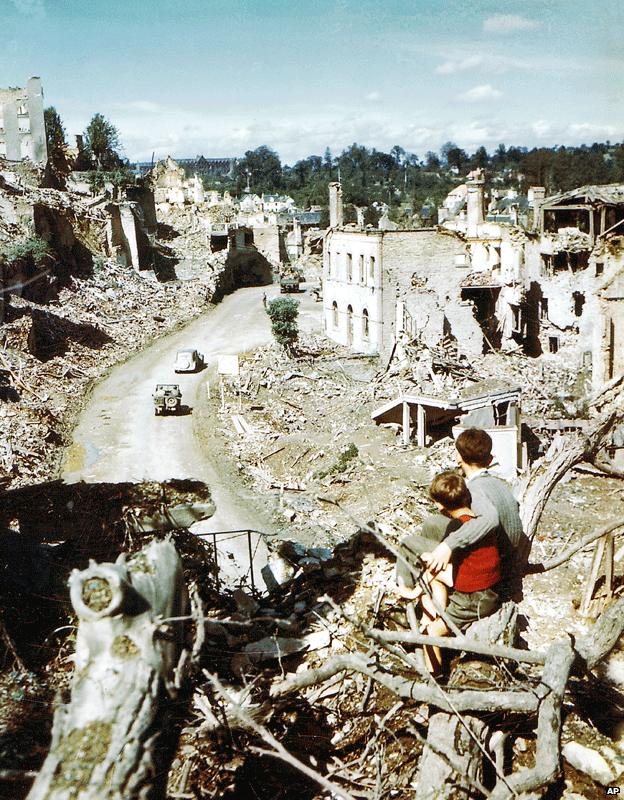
(22,125)
(374,286)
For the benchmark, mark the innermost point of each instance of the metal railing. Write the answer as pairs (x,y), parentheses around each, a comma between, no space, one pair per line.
(251,550)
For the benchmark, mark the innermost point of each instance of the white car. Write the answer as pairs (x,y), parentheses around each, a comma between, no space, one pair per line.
(188,361)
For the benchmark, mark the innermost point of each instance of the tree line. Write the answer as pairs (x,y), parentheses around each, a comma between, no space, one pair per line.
(369,177)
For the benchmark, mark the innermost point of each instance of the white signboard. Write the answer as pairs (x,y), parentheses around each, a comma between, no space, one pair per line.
(228,365)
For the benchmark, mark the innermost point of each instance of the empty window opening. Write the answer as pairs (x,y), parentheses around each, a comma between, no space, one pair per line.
(372,267)
(579,302)
(218,243)
(365,328)
(565,260)
(553,344)
(501,411)
(544,308)
(484,311)
(349,325)
(349,267)
(335,314)
(599,267)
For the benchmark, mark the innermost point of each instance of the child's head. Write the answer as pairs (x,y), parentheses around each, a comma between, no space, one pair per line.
(449,491)
(474,447)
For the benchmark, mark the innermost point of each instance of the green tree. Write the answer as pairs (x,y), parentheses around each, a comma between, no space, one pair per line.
(97,179)
(101,140)
(57,146)
(262,167)
(283,312)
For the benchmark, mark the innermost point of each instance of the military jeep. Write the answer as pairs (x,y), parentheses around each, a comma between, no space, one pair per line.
(167,398)
(289,283)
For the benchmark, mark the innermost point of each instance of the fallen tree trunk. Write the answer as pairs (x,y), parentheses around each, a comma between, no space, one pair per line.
(103,740)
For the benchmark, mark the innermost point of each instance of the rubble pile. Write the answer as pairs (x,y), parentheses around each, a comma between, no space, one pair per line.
(301,427)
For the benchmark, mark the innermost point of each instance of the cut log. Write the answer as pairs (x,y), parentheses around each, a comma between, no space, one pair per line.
(104,740)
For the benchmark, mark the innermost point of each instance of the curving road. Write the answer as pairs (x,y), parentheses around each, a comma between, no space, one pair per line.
(119,438)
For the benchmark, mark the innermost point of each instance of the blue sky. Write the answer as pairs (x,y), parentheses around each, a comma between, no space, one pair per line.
(218,77)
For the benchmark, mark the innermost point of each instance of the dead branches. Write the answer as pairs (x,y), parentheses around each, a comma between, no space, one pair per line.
(551,691)
(566,451)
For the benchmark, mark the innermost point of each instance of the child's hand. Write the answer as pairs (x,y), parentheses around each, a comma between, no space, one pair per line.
(438,559)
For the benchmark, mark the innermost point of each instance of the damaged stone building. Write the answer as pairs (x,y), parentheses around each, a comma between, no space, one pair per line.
(552,290)
(382,285)
(22,126)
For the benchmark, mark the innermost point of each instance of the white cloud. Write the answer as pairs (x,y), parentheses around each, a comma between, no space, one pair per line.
(300,131)
(30,8)
(451,67)
(541,128)
(373,97)
(477,94)
(508,23)
(586,130)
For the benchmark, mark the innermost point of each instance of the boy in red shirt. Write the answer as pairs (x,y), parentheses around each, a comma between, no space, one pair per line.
(476,569)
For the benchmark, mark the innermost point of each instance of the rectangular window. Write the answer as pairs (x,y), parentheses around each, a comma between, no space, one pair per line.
(349,267)
(544,308)
(372,268)
(553,344)
(362,274)
(599,267)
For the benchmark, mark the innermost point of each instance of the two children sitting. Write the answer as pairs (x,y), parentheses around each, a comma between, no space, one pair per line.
(466,589)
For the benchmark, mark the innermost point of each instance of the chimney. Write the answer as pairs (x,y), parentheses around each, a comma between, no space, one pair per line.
(475,184)
(335,205)
(536,196)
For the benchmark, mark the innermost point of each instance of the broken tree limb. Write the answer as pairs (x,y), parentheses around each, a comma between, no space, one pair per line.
(468,733)
(463,700)
(567,554)
(277,748)
(603,635)
(607,468)
(104,740)
(461,643)
(548,750)
(566,451)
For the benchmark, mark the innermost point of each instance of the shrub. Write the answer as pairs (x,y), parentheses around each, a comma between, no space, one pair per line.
(283,312)
(34,249)
(342,462)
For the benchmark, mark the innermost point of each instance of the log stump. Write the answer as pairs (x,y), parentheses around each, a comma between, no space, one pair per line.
(103,739)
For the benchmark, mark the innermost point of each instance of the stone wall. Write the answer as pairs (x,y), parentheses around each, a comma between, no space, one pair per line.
(419,267)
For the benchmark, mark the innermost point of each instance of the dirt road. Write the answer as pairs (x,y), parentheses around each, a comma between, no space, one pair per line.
(118,437)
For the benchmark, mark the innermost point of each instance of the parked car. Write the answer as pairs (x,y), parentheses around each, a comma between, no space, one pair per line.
(188,361)
(167,398)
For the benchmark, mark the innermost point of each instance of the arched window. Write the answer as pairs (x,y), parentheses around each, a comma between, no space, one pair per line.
(349,325)
(365,328)
(335,314)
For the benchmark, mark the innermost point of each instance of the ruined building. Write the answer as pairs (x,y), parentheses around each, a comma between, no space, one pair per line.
(555,290)
(22,127)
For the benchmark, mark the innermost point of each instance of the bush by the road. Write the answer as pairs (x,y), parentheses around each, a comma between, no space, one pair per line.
(283,312)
